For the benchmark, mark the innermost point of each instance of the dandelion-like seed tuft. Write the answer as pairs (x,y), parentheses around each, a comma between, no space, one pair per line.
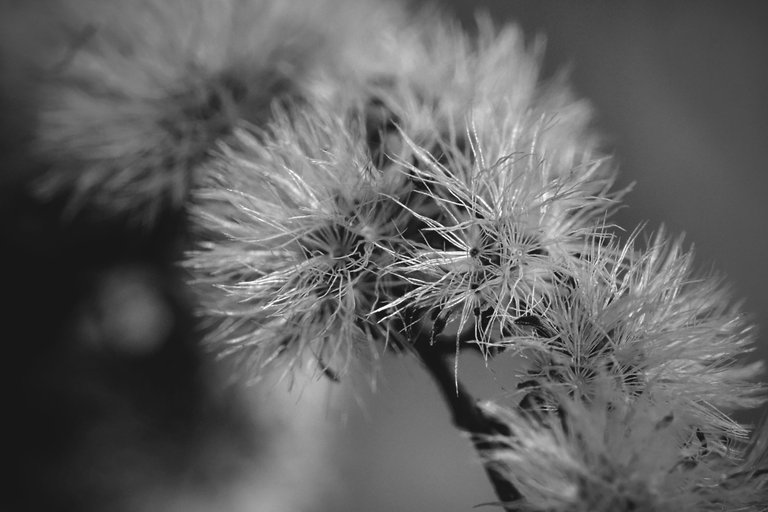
(299,228)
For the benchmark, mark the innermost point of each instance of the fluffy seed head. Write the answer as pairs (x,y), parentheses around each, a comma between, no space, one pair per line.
(616,453)
(297,224)
(138,93)
(643,317)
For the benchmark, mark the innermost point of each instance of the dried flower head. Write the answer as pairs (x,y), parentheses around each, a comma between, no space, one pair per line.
(496,235)
(298,226)
(507,180)
(616,452)
(644,318)
(140,92)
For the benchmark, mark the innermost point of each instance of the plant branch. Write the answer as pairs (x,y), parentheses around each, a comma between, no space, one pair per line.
(465,413)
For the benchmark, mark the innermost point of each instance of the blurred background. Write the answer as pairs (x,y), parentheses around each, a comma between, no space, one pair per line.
(104,421)
(680,92)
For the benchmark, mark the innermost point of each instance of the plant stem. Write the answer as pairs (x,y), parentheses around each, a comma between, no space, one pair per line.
(465,414)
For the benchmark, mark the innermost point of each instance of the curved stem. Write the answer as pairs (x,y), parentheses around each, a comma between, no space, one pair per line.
(465,413)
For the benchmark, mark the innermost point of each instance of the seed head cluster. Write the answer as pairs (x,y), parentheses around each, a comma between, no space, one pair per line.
(357,182)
